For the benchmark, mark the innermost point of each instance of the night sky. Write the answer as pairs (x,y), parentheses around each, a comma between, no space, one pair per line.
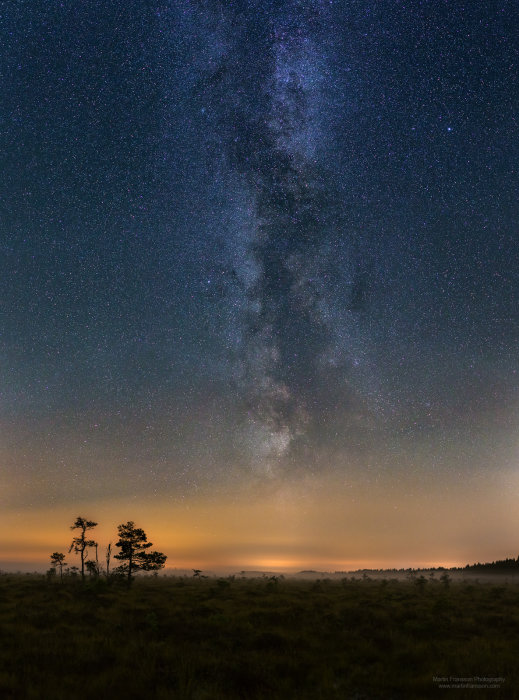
(259,279)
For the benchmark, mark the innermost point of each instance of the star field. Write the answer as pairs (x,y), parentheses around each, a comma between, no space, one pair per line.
(258,248)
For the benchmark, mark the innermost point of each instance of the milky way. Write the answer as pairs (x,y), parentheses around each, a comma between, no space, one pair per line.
(270,110)
(256,238)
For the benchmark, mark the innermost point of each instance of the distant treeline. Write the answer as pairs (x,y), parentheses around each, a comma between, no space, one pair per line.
(499,565)
(409,570)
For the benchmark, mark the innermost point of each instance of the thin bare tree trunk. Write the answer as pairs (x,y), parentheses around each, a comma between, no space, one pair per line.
(108,557)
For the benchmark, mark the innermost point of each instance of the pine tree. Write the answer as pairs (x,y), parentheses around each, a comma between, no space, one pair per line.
(134,544)
(80,544)
(57,560)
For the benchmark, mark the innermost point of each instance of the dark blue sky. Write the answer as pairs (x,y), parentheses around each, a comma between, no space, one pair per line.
(256,240)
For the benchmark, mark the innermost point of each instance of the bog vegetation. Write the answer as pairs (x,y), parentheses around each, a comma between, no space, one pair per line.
(201,638)
(95,631)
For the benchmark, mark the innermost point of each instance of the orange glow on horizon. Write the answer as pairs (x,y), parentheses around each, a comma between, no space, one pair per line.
(289,527)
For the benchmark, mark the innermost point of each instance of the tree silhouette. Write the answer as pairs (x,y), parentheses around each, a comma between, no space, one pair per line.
(92,567)
(108,556)
(57,560)
(133,544)
(80,544)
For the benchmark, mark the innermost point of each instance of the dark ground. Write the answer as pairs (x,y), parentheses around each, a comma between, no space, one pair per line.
(211,639)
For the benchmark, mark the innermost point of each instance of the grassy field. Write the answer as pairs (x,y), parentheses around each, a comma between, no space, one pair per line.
(256,638)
